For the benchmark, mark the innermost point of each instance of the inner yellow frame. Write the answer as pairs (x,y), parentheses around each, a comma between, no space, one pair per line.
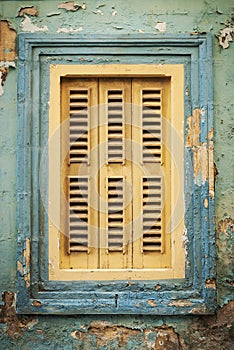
(176,75)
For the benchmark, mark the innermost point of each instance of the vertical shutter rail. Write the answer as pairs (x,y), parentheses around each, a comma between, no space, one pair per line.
(152,208)
(78,214)
(79,128)
(115,217)
(151,125)
(115,126)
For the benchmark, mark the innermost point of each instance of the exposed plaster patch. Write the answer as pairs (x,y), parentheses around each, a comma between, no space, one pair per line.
(24,268)
(70,30)
(225,225)
(30,10)
(212,168)
(168,339)
(206,203)
(28,26)
(193,135)
(14,323)
(151,302)
(7,42)
(106,332)
(225,37)
(71,6)
(200,157)
(7,52)
(210,283)
(36,303)
(203,153)
(161,27)
(180,303)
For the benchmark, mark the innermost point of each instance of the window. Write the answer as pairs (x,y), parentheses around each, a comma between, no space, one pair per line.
(120,181)
(115,181)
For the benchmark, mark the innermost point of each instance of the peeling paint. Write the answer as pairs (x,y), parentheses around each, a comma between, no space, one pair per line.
(225,37)
(71,6)
(7,42)
(161,27)
(180,303)
(225,225)
(193,130)
(168,339)
(70,30)
(210,283)
(212,168)
(206,203)
(151,302)
(30,10)
(28,26)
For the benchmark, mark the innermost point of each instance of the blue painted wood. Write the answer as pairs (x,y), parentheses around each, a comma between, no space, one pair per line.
(39,295)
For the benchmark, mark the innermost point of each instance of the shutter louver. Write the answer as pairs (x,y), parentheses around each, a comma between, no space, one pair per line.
(78,126)
(78,214)
(115,126)
(152,207)
(151,125)
(115,213)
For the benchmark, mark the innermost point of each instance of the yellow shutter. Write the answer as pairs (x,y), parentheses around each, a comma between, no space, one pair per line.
(116,196)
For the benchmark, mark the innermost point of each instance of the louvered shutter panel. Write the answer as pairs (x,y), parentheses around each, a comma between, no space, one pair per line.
(115,173)
(79,248)
(151,244)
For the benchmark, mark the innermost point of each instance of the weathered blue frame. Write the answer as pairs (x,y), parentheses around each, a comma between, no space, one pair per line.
(36,294)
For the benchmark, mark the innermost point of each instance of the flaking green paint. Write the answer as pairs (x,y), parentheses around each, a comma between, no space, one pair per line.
(181,17)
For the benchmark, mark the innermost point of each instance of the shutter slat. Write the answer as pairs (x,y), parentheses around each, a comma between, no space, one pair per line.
(78,213)
(152,227)
(79,126)
(151,125)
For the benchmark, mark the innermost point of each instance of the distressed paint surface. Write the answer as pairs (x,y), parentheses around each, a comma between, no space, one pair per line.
(126,332)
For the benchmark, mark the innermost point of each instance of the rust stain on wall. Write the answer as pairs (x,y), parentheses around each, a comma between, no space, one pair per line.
(7,42)
(30,10)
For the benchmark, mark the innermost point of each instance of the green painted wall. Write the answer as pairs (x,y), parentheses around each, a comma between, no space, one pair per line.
(126,332)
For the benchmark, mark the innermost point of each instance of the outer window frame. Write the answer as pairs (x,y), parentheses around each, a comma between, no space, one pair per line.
(195,294)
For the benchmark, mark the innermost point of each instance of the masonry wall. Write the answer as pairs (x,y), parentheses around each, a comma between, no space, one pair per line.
(93,17)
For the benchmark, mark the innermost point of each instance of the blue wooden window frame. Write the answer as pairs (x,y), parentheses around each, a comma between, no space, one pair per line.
(195,294)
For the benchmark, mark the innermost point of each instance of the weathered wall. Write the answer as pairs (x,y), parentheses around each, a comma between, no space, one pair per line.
(113,332)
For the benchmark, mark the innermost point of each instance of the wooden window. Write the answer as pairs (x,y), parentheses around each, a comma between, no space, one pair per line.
(117,175)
